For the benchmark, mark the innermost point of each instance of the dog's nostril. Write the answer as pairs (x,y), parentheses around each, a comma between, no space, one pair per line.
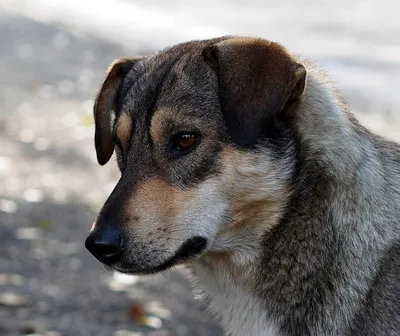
(105,246)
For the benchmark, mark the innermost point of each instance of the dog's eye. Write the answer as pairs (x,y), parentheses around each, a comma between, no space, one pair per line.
(183,142)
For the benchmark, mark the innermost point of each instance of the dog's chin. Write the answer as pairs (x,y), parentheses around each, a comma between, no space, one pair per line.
(192,249)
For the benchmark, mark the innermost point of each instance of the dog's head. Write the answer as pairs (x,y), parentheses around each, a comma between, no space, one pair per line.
(205,158)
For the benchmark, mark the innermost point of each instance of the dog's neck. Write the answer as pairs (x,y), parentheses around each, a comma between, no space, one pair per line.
(227,288)
(324,124)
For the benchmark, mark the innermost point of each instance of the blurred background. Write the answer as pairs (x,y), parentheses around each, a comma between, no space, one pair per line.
(54,54)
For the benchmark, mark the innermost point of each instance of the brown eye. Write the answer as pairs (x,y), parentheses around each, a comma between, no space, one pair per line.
(183,142)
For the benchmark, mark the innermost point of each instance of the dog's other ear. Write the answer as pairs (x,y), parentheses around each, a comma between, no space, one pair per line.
(105,104)
(256,79)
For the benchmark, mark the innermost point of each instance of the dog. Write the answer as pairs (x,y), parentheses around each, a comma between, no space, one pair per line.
(241,161)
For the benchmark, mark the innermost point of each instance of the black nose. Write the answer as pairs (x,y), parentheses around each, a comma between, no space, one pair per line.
(106,246)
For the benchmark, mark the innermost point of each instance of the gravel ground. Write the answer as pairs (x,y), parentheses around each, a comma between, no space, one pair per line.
(51,188)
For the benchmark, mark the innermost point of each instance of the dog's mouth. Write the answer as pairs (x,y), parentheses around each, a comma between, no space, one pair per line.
(191,249)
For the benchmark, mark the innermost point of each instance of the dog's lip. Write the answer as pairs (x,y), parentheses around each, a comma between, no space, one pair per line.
(191,249)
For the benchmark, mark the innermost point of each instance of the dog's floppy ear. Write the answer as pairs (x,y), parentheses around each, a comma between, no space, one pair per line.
(256,80)
(104,105)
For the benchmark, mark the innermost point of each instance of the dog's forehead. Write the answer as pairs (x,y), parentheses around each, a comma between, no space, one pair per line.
(164,78)
(152,70)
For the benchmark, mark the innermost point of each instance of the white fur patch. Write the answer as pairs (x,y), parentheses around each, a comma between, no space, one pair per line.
(240,312)
(205,213)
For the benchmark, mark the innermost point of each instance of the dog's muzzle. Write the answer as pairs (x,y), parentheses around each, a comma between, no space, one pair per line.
(109,247)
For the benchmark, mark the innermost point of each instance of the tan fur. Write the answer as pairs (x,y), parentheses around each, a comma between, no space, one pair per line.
(157,123)
(124,128)
(155,205)
(161,118)
(256,201)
